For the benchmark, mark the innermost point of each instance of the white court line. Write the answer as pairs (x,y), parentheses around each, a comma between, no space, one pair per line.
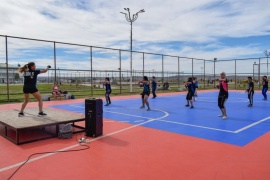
(235,132)
(117,113)
(253,124)
(77,106)
(216,129)
(128,114)
(97,138)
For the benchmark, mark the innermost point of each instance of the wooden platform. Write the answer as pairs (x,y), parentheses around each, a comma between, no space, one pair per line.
(30,127)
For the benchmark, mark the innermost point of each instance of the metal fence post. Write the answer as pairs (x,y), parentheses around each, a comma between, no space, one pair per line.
(120,69)
(143,63)
(91,69)
(54,54)
(162,70)
(178,71)
(7,67)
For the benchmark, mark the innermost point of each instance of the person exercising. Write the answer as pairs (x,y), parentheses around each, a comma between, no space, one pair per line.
(223,94)
(146,92)
(108,91)
(30,82)
(265,87)
(250,91)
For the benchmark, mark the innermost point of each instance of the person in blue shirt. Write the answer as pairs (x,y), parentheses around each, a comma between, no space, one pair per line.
(154,86)
(146,92)
(108,91)
(30,86)
(265,87)
(191,90)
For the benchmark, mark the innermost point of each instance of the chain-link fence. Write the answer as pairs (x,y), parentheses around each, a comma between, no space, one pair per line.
(81,69)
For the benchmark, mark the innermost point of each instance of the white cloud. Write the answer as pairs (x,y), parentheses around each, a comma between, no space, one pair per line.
(99,23)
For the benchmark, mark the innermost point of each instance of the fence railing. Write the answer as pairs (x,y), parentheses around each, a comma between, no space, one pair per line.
(81,69)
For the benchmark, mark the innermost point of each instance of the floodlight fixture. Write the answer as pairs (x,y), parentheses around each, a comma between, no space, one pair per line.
(131,19)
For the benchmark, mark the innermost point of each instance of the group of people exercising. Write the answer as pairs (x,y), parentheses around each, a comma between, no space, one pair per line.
(30,79)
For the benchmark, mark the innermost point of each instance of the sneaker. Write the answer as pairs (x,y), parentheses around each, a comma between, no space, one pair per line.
(187,105)
(221,115)
(224,117)
(148,109)
(191,107)
(20,114)
(40,114)
(265,99)
(106,104)
(142,107)
(250,105)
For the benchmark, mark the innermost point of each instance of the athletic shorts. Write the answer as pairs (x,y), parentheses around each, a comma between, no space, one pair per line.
(31,90)
(189,95)
(108,92)
(145,93)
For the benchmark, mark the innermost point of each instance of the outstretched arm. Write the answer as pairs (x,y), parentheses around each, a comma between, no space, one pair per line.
(44,70)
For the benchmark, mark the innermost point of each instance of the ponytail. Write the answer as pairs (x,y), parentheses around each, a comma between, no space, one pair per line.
(23,69)
(26,67)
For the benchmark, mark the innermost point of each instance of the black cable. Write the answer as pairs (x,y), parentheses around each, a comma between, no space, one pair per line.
(87,147)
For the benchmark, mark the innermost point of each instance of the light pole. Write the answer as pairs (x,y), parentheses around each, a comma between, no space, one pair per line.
(131,20)
(267,55)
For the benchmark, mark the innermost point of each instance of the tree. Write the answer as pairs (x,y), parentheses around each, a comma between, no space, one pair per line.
(16,76)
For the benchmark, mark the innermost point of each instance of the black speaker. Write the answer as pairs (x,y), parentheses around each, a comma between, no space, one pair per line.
(93,117)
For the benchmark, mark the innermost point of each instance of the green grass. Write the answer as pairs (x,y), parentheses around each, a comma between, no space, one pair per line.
(83,91)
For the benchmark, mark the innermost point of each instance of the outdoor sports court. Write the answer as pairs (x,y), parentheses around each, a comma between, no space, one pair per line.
(169,142)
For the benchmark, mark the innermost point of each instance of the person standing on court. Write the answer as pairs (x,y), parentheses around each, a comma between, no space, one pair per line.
(191,90)
(196,85)
(108,90)
(146,92)
(223,94)
(154,86)
(265,87)
(250,91)
(30,86)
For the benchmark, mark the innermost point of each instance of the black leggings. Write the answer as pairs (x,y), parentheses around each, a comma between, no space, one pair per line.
(107,96)
(221,101)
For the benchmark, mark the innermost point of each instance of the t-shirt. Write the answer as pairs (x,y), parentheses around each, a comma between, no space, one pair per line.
(223,88)
(265,84)
(108,87)
(191,87)
(251,85)
(154,84)
(30,78)
(146,88)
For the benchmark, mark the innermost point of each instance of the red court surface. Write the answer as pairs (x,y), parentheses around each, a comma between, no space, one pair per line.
(131,152)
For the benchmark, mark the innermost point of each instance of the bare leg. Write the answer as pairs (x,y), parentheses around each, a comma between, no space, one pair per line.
(224,112)
(40,102)
(146,101)
(143,101)
(26,100)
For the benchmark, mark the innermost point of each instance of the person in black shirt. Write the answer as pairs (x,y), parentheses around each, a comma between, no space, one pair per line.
(154,87)
(146,92)
(190,85)
(30,80)
(108,91)
(265,87)
(250,91)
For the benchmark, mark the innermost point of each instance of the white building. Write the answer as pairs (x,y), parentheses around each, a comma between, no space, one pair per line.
(12,71)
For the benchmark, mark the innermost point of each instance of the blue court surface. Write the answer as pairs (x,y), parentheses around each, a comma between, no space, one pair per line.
(168,113)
